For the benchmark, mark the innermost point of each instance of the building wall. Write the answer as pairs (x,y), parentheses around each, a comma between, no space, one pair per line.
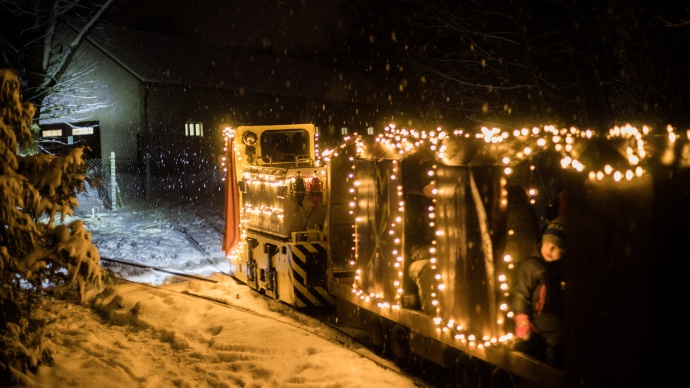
(117,93)
(122,121)
(139,118)
(170,107)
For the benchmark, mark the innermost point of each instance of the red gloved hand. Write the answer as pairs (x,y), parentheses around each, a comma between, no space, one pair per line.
(523,327)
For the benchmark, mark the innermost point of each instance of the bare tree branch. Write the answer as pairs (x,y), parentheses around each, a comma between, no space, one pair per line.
(31,48)
(59,69)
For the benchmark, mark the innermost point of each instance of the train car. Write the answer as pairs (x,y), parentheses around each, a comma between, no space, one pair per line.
(469,323)
(351,242)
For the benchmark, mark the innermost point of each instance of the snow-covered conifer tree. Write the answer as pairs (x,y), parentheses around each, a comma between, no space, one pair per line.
(37,257)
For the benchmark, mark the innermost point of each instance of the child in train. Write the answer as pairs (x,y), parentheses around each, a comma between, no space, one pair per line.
(538,297)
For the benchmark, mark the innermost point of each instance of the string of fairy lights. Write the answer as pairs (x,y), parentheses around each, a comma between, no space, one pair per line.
(525,142)
(519,144)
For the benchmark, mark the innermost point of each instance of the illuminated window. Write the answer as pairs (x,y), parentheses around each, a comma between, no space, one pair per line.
(82,131)
(370,130)
(194,129)
(52,133)
(343,130)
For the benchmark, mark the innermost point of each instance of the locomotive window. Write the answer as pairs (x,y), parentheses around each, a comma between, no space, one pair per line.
(284,146)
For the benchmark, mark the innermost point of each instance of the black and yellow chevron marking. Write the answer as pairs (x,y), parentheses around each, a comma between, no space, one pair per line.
(308,264)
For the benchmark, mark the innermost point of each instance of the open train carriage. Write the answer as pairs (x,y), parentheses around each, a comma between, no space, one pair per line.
(372,182)
(628,211)
(365,202)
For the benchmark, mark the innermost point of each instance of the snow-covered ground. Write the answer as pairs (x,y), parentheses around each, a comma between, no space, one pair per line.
(133,335)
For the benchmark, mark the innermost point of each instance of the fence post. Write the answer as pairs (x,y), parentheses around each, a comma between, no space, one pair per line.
(113,182)
(148,175)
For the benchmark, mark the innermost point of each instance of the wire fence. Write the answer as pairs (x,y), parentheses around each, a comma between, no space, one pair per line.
(140,185)
(106,194)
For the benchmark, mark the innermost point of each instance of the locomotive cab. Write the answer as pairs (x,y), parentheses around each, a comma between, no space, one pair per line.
(280,190)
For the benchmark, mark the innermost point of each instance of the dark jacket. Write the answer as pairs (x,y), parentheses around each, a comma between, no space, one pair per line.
(538,292)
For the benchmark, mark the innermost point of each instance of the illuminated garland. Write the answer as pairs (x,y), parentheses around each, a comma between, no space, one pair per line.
(527,141)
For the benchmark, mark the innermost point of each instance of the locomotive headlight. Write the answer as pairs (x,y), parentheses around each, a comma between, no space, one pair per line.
(249,138)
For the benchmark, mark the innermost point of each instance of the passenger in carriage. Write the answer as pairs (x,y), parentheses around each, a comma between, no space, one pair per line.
(420,235)
(421,273)
(538,297)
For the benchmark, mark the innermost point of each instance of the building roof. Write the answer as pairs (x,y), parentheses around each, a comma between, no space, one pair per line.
(160,59)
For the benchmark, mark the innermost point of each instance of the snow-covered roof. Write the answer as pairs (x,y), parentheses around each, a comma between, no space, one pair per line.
(155,58)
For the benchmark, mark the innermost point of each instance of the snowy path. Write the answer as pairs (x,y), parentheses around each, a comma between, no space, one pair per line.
(134,335)
(166,338)
(181,238)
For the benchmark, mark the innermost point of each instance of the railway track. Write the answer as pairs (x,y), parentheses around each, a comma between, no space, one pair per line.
(110,261)
(307,321)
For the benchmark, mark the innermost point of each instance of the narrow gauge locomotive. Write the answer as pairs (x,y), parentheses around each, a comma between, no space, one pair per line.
(328,228)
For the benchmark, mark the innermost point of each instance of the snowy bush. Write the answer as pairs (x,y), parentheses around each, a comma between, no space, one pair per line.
(37,258)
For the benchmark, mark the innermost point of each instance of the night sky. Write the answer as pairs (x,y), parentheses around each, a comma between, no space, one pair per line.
(444,62)
(258,23)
